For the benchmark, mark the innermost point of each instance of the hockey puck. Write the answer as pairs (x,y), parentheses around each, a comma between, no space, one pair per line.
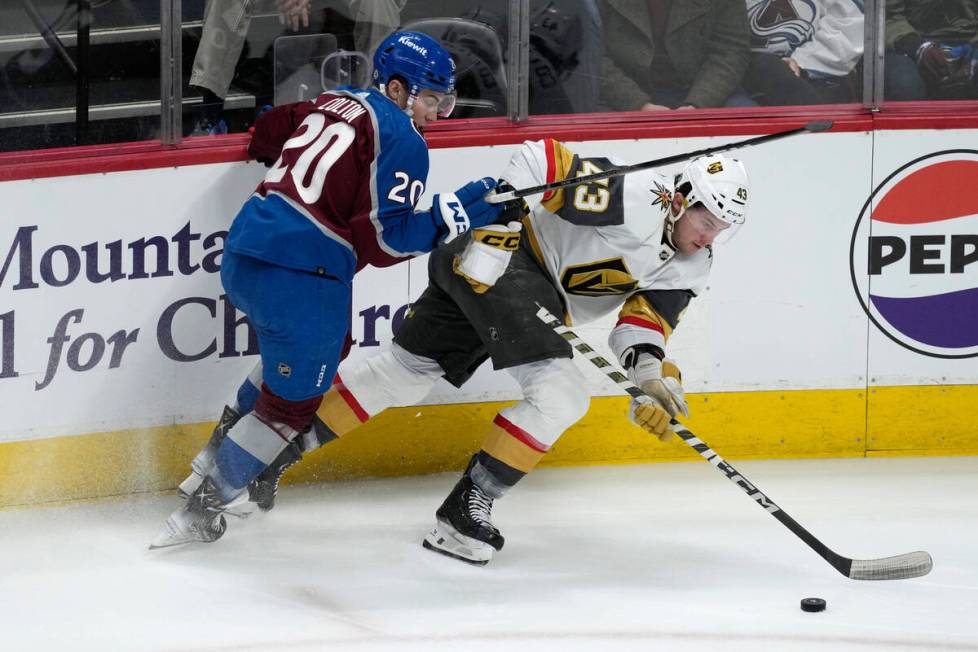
(813,604)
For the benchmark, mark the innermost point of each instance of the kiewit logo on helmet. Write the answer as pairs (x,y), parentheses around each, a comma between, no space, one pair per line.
(408,41)
(914,255)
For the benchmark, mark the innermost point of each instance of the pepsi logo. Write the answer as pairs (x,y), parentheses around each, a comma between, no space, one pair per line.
(914,255)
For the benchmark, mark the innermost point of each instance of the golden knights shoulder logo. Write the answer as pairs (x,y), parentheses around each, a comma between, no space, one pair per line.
(598,279)
(661,196)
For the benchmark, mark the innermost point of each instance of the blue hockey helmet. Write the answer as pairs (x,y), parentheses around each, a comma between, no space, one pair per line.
(421,61)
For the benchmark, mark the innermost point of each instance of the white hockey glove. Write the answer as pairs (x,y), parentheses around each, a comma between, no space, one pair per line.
(661,381)
(487,255)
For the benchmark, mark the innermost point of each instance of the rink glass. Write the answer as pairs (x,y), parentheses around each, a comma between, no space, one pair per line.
(218,65)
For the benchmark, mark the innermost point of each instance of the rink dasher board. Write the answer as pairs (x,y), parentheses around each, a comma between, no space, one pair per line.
(149,350)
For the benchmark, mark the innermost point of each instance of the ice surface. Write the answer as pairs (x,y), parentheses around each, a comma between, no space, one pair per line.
(610,558)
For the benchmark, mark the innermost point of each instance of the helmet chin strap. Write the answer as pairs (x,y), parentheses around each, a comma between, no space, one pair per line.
(412,97)
(667,232)
(682,211)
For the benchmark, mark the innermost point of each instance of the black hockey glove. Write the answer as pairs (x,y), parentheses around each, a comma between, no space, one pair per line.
(515,209)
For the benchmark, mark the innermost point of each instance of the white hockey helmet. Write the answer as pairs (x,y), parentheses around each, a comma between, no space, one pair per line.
(720,184)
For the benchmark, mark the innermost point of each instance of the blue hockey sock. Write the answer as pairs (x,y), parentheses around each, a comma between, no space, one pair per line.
(248,449)
(248,391)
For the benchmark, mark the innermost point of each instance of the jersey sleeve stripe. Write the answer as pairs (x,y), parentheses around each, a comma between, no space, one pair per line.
(548,147)
(560,163)
(374,199)
(642,323)
(376,194)
(640,308)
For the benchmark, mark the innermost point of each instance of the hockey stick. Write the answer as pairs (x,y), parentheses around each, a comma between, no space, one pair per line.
(812,127)
(911,564)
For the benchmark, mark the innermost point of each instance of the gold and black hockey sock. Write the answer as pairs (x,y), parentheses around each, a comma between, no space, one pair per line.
(340,411)
(508,453)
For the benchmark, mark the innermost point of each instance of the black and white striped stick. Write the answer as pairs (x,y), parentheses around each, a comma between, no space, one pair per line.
(813,127)
(911,564)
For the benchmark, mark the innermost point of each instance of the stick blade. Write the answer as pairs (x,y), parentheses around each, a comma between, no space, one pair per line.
(900,567)
(816,126)
(500,197)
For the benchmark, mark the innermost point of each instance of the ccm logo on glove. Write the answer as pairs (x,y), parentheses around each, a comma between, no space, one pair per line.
(486,256)
(506,242)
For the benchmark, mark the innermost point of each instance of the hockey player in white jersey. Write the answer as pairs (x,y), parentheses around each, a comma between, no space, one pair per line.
(641,245)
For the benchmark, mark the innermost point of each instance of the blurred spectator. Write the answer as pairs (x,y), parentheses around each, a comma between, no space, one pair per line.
(374,19)
(565,48)
(671,54)
(221,41)
(226,24)
(581,81)
(932,49)
(565,51)
(804,51)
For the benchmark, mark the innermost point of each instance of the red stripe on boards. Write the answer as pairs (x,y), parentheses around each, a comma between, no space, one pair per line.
(122,157)
(476,132)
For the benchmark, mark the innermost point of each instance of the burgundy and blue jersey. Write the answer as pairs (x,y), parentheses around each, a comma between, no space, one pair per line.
(350,167)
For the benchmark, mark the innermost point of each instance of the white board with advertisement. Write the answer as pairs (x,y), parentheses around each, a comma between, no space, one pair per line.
(113,317)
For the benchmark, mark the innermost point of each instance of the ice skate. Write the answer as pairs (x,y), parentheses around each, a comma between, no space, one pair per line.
(204,460)
(445,539)
(264,488)
(463,527)
(200,519)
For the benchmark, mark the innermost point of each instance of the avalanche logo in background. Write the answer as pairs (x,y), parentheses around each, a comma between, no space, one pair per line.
(914,255)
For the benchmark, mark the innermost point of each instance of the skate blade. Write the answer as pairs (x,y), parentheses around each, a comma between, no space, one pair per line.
(448,541)
(179,530)
(170,536)
(241,507)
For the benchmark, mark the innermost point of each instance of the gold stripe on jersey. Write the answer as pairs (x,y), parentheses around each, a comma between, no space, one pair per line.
(562,160)
(670,369)
(531,236)
(638,307)
(509,450)
(537,253)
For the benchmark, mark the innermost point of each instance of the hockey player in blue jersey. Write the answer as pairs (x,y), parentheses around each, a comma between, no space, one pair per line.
(349,168)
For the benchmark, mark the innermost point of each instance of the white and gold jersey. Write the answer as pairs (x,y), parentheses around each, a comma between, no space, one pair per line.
(602,243)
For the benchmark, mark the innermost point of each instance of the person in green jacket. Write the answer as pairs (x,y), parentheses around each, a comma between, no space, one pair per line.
(932,49)
(674,54)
